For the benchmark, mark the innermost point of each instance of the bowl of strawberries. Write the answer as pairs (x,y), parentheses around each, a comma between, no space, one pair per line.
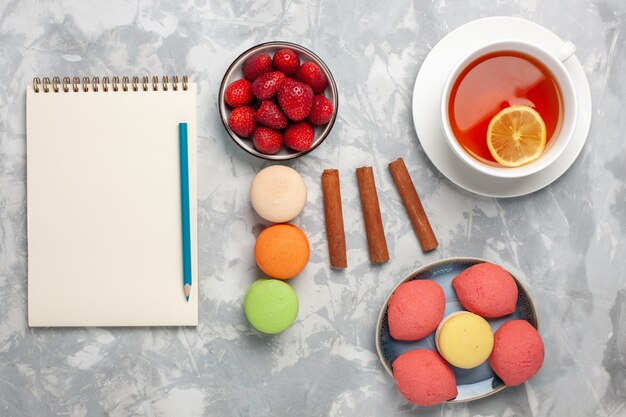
(278,101)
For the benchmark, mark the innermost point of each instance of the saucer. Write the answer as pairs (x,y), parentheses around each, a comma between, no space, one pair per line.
(427,96)
(472,384)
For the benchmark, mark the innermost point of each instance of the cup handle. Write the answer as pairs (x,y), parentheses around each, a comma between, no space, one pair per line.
(565,51)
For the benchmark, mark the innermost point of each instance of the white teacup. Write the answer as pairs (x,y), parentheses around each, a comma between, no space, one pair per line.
(553,60)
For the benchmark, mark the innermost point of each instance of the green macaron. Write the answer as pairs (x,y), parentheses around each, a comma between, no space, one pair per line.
(271,305)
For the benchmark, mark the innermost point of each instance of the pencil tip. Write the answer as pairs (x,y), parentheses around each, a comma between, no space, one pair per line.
(187,297)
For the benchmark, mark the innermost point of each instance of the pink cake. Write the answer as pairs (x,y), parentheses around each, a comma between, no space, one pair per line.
(487,290)
(517,352)
(424,378)
(415,309)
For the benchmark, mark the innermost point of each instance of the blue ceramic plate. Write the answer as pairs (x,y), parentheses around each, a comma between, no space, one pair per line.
(472,384)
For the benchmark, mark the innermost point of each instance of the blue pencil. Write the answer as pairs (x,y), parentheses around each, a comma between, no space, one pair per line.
(184,205)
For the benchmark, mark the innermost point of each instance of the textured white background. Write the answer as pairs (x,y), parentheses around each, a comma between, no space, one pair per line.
(566,242)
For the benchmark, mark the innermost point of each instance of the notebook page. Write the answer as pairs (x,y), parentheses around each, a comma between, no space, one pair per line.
(104,216)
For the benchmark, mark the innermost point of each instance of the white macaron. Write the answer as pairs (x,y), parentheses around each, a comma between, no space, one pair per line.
(278,193)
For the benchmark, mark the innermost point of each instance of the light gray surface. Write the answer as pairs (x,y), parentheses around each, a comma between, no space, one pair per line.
(565,242)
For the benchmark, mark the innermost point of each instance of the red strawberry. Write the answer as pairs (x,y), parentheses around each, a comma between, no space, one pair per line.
(256,65)
(311,74)
(295,99)
(321,111)
(266,86)
(242,122)
(270,115)
(287,61)
(299,136)
(267,141)
(239,93)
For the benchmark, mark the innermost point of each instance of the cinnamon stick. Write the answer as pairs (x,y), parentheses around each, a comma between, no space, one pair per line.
(413,205)
(371,214)
(334,219)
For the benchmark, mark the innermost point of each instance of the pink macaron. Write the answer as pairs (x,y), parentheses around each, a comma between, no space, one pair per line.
(487,290)
(415,309)
(424,378)
(517,352)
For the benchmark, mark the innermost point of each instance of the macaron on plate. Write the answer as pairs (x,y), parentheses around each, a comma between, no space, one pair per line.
(476,382)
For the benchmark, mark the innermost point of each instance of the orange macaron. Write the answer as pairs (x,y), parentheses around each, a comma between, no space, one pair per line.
(282,251)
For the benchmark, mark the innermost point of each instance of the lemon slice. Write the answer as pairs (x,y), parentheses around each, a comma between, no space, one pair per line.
(516,136)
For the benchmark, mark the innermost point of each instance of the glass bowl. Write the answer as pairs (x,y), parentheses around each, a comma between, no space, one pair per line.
(234,72)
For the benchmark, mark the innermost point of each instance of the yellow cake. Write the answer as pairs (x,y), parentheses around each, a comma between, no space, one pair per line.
(464,339)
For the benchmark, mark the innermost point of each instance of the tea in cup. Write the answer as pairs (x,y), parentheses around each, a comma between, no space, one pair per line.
(506,100)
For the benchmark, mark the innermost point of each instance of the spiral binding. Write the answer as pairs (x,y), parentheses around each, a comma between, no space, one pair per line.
(94,84)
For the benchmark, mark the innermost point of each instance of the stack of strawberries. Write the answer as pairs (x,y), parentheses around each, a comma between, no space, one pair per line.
(279,102)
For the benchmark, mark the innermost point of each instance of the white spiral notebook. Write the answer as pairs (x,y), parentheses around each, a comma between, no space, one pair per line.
(104,202)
